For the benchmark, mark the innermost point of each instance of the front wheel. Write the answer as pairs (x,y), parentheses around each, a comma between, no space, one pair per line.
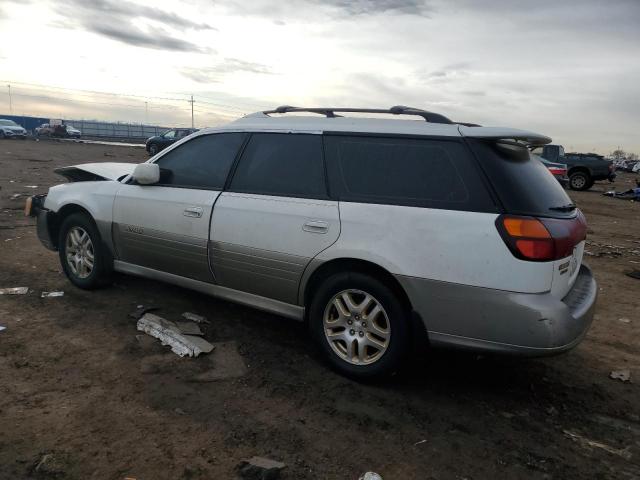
(360,325)
(85,259)
(153,149)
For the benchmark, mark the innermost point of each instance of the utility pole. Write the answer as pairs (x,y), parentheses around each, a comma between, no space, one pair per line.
(146,112)
(10,105)
(192,101)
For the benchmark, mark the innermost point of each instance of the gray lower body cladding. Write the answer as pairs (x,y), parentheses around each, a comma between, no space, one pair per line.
(164,251)
(500,321)
(260,272)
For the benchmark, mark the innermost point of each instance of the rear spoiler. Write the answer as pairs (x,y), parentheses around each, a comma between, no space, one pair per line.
(500,133)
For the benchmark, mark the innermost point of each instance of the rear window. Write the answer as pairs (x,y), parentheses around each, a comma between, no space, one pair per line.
(405,171)
(523,184)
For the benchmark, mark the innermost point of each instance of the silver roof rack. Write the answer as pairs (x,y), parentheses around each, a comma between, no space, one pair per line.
(331,112)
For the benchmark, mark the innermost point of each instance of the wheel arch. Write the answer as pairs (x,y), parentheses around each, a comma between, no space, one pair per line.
(56,218)
(323,270)
(580,168)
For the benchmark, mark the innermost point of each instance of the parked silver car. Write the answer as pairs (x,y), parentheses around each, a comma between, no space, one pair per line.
(374,231)
(10,129)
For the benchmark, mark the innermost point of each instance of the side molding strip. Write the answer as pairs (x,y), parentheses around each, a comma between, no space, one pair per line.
(288,310)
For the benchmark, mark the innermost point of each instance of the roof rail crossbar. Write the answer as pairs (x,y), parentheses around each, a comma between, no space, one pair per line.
(396,110)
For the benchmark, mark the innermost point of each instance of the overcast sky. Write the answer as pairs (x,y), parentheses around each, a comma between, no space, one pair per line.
(569,69)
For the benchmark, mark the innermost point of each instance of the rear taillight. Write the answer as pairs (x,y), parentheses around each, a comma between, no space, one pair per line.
(557,171)
(542,239)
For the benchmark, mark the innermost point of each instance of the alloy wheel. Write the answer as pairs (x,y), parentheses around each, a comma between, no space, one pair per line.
(79,252)
(357,327)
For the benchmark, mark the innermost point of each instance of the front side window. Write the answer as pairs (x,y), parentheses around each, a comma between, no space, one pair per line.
(169,135)
(202,162)
(405,171)
(282,164)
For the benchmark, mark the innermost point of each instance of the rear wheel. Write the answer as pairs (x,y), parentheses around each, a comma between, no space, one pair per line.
(580,181)
(360,325)
(84,258)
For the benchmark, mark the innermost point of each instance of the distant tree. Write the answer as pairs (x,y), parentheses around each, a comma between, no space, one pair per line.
(618,154)
(632,156)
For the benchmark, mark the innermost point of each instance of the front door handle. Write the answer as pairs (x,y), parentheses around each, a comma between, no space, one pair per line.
(193,212)
(316,226)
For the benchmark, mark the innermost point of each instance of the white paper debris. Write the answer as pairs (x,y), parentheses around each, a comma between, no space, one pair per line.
(2,328)
(169,334)
(194,317)
(51,294)
(14,291)
(31,186)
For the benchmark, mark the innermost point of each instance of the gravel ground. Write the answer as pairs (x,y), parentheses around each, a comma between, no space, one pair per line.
(82,397)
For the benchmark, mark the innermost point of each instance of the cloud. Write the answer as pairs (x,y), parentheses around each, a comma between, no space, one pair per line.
(130,23)
(125,10)
(371,7)
(227,66)
(137,38)
(306,9)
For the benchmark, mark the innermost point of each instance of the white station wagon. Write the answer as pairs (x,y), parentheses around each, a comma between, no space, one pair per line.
(373,230)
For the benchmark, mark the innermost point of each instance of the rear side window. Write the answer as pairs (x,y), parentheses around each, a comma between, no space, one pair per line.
(405,171)
(281,164)
(202,162)
(523,184)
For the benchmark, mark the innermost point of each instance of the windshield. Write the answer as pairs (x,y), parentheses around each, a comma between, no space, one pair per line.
(523,184)
(8,123)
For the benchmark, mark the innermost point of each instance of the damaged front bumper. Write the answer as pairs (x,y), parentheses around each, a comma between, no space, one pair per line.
(34,207)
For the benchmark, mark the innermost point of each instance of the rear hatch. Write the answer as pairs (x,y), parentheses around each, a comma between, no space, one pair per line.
(540,223)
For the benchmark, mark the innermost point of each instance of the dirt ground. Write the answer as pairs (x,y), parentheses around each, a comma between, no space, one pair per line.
(81,390)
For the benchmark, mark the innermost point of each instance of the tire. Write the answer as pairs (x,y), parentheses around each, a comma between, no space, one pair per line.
(79,233)
(153,149)
(580,181)
(374,359)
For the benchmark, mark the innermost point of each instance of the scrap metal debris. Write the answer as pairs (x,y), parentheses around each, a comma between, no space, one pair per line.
(622,375)
(189,328)
(624,320)
(169,334)
(2,328)
(51,294)
(371,476)
(14,291)
(259,468)
(587,443)
(194,317)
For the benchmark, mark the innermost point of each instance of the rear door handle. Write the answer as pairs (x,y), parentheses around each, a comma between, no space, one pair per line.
(193,212)
(316,226)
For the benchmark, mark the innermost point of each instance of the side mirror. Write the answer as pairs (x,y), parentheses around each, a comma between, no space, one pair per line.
(146,173)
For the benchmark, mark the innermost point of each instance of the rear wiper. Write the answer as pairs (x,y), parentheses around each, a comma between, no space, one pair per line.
(564,208)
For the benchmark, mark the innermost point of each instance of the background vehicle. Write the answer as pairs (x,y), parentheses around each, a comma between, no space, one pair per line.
(584,168)
(61,130)
(374,231)
(160,142)
(10,129)
(558,170)
(43,130)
